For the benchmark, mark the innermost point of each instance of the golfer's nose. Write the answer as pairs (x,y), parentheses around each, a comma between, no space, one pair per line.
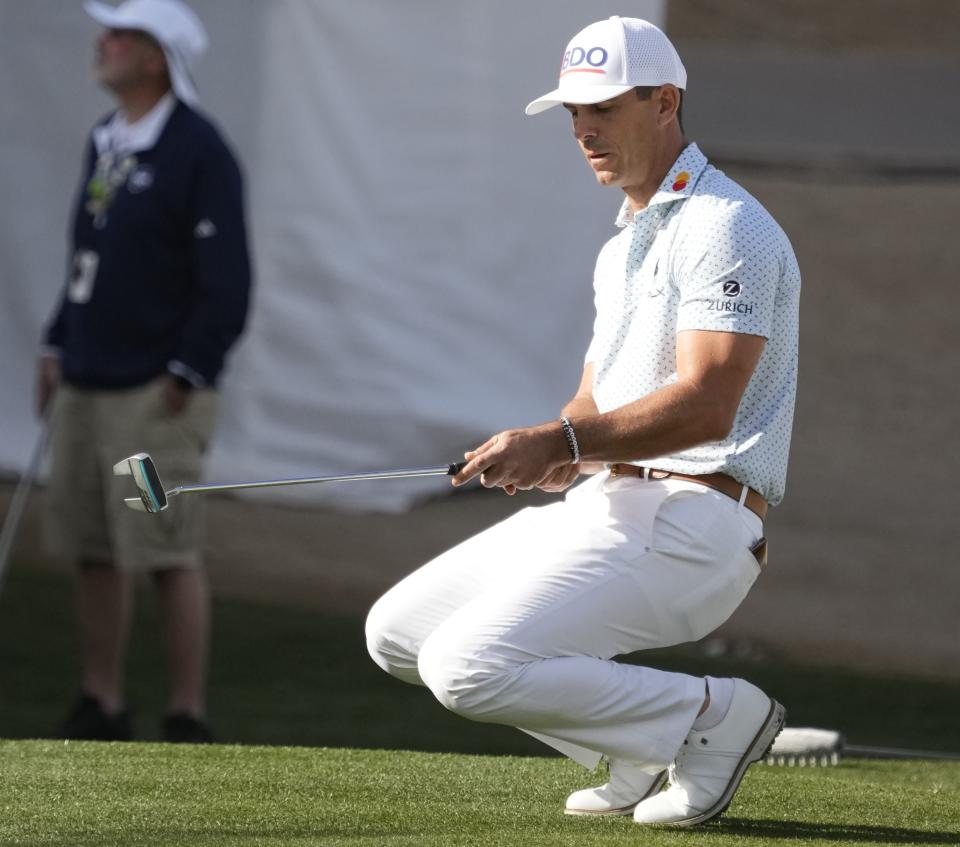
(583,127)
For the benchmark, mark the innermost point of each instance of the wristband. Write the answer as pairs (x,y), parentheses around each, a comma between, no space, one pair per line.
(571,438)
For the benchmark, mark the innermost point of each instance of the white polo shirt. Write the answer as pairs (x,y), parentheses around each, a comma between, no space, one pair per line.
(703,255)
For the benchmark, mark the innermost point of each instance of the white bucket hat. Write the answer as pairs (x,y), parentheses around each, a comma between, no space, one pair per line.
(609,58)
(173,24)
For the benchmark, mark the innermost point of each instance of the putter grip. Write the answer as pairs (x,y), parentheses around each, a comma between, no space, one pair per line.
(455,468)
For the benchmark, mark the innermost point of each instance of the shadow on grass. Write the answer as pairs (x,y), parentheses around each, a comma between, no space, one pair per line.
(295,677)
(763,828)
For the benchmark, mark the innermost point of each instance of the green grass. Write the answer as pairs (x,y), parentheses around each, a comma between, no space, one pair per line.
(130,794)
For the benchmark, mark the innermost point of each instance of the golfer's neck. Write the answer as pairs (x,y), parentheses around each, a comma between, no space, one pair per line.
(663,159)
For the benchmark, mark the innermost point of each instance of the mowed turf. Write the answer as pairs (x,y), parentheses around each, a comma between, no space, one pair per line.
(77,794)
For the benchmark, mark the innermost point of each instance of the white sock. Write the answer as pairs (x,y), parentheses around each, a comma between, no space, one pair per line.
(721,696)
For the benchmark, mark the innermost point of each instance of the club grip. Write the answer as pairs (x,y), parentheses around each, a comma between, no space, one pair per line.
(454,468)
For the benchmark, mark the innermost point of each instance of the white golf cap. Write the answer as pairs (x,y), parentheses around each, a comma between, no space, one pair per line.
(611,57)
(172,23)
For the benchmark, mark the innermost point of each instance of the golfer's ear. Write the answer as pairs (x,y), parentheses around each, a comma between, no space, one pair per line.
(668,101)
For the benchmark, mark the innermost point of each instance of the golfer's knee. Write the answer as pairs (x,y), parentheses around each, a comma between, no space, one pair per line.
(466,680)
(389,645)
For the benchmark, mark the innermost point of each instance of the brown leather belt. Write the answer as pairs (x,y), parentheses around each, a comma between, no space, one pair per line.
(717,481)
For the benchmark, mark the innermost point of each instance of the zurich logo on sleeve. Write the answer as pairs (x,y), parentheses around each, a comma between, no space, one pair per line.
(580,60)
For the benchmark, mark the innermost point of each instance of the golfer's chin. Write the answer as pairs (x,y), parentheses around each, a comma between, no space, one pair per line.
(606,177)
(605,174)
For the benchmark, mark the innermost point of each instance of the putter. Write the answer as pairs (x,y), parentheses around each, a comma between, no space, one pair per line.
(153,498)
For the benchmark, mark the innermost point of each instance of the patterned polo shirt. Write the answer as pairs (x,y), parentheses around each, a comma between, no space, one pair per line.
(703,255)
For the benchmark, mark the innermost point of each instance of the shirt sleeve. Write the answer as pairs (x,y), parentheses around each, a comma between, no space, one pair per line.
(597,343)
(728,271)
(602,307)
(221,266)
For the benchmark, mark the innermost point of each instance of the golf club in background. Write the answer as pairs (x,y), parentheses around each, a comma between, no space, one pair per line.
(21,494)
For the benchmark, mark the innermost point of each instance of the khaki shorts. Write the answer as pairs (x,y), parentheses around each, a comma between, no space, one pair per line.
(87,518)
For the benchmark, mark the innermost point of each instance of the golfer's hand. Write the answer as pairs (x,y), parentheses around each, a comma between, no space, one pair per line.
(517,458)
(48,378)
(560,479)
(175,396)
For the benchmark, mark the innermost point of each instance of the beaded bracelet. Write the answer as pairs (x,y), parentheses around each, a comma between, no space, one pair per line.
(571,437)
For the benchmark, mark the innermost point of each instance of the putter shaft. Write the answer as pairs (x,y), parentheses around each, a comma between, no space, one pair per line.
(154,498)
(440,470)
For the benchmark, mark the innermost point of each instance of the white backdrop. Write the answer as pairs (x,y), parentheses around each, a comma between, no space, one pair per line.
(423,250)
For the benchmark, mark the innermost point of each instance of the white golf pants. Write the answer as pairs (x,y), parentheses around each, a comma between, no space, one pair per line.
(519,624)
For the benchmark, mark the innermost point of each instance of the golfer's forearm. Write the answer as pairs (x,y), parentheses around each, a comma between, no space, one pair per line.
(675,418)
(582,405)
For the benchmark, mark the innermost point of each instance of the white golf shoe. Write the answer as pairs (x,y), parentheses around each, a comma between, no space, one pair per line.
(628,786)
(710,765)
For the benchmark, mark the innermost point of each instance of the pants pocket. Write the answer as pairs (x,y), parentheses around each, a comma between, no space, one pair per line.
(709,558)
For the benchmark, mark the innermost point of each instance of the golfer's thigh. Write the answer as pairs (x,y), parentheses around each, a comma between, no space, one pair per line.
(487,562)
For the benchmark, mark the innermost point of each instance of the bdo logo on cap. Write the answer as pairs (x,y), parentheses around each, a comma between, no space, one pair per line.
(576,57)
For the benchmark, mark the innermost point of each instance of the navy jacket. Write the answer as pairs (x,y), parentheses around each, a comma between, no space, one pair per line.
(172,269)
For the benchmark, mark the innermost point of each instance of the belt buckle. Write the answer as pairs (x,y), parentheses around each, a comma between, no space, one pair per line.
(615,469)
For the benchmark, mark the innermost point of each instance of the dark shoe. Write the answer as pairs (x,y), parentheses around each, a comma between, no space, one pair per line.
(88,721)
(181,728)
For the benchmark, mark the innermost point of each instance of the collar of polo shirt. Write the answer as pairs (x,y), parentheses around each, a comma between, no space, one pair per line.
(678,184)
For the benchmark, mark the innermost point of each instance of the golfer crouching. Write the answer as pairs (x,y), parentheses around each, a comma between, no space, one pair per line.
(682,423)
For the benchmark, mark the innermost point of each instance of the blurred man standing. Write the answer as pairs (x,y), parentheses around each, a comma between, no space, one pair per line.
(157,293)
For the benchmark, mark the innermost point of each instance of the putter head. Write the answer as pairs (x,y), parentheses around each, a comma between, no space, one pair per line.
(152,497)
